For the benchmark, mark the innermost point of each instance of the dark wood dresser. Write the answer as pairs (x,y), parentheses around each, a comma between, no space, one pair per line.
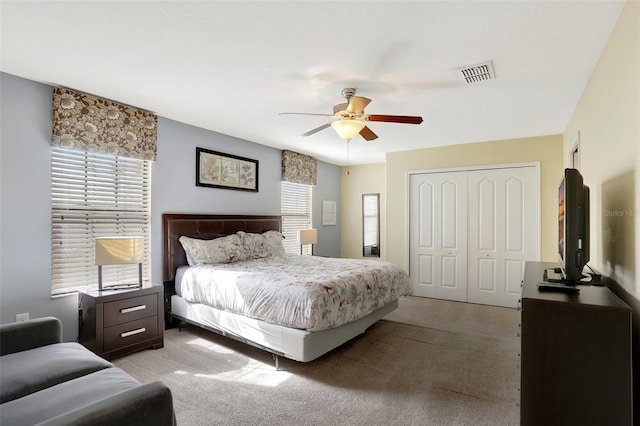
(114,323)
(575,355)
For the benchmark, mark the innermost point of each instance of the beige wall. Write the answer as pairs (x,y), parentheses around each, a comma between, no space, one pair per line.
(390,181)
(366,179)
(608,120)
(547,150)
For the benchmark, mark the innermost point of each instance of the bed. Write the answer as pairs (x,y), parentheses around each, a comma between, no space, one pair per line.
(302,331)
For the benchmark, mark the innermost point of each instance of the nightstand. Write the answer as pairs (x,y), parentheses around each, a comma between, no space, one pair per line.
(113,323)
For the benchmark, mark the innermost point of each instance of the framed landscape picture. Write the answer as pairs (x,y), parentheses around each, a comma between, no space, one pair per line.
(217,170)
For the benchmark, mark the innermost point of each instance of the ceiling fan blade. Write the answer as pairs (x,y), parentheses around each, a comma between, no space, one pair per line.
(405,119)
(368,134)
(357,104)
(316,130)
(304,113)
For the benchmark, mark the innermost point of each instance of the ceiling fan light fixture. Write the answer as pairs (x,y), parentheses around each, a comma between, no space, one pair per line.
(347,129)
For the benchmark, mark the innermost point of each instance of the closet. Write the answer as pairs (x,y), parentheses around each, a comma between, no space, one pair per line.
(470,232)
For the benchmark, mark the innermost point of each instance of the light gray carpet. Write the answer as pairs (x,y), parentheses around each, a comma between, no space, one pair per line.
(430,362)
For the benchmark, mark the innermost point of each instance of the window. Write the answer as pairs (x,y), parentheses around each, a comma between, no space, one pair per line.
(95,195)
(296,214)
(370,225)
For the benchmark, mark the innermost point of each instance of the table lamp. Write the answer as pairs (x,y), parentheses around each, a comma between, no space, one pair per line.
(307,236)
(119,251)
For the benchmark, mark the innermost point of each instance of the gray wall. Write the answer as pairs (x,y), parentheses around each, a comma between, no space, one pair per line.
(174,174)
(328,188)
(25,184)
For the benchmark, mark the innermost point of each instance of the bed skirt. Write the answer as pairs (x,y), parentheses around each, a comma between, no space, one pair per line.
(296,344)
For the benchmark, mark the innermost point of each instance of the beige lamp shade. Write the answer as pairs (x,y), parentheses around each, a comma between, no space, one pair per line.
(347,129)
(119,250)
(307,236)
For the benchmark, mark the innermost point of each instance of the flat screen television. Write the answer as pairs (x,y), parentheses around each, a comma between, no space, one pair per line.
(573,226)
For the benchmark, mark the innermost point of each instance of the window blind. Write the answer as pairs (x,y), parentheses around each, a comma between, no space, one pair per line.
(296,214)
(96,195)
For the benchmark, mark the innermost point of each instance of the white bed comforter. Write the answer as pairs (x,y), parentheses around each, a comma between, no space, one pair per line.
(306,292)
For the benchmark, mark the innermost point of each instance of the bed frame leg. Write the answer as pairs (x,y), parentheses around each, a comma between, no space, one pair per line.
(179,325)
(277,360)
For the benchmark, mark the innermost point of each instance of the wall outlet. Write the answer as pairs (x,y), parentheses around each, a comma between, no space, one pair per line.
(22,317)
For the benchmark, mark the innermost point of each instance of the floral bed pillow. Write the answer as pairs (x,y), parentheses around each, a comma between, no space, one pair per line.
(266,244)
(219,250)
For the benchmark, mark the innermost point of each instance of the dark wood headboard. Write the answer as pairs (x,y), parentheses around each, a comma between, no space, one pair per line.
(204,227)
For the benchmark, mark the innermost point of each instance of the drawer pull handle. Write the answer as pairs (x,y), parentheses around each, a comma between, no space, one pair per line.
(133,309)
(133,332)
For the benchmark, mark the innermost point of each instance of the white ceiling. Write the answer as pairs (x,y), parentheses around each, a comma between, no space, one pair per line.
(232,66)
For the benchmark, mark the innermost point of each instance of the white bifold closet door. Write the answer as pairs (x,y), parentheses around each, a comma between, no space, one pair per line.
(503,232)
(438,236)
(472,231)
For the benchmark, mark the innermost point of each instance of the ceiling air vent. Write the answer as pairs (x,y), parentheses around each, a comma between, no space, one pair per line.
(476,73)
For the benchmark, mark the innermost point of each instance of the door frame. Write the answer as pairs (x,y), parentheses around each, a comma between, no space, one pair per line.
(407,233)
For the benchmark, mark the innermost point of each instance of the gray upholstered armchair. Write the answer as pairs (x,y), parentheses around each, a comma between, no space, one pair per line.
(46,381)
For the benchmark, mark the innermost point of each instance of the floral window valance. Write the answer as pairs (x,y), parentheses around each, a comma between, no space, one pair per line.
(299,168)
(85,122)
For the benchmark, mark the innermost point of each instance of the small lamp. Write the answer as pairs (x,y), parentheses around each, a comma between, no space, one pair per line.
(119,251)
(307,236)
(347,129)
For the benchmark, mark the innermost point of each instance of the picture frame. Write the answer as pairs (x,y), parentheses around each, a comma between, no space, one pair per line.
(329,213)
(219,170)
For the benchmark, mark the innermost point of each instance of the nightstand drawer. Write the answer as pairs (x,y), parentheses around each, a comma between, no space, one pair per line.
(123,335)
(114,323)
(121,311)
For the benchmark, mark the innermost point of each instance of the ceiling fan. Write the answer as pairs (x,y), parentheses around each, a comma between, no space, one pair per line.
(351,118)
